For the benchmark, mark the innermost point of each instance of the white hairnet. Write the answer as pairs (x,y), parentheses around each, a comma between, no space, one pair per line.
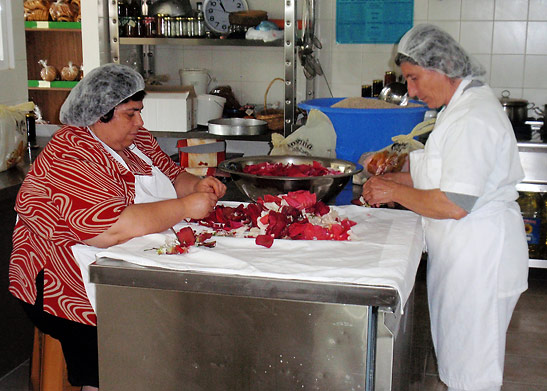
(98,92)
(432,48)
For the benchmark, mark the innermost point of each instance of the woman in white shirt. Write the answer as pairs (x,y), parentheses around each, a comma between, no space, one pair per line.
(463,183)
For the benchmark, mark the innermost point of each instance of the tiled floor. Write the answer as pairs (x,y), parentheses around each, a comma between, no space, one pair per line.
(526,353)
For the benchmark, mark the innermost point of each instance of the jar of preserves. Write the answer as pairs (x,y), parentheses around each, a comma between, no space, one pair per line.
(377,86)
(532,209)
(389,78)
(366,91)
(149,26)
(131,27)
(160,25)
(168,23)
(140,27)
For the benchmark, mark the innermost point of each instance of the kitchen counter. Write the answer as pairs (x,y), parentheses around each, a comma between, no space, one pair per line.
(238,329)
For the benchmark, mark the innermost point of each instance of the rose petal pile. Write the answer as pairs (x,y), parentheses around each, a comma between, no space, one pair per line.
(289,170)
(296,215)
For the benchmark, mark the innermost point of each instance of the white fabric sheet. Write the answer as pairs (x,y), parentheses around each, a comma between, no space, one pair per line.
(386,252)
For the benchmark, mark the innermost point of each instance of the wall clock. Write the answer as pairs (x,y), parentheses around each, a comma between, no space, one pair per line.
(216,13)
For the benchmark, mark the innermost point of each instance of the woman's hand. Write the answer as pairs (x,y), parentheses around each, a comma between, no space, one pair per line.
(199,205)
(211,185)
(379,190)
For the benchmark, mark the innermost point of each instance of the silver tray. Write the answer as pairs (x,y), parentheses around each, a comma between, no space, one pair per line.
(237,127)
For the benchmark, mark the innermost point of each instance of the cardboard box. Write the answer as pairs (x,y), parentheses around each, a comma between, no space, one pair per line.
(169,108)
(196,153)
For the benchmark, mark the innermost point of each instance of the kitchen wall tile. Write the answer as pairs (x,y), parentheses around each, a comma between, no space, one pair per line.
(444,10)
(326,10)
(325,31)
(228,63)
(534,70)
(511,10)
(478,9)
(486,62)
(196,57)
(507,71)
(264,65)
(346,68)
(169,60)
(421,9)
(346,89)
(451,27)
(509,37)
(536,42)
(476,37)
(19,52)
(253,92)
(374,67)
(537,10)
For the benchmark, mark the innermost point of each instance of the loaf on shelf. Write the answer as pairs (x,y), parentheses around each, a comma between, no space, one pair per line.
(58,11)
(36,10)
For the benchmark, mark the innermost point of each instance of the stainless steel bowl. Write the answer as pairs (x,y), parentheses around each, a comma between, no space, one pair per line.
(237,126)
(325,187)
(395,93)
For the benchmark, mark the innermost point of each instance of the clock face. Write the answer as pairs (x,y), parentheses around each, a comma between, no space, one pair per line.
(216,13)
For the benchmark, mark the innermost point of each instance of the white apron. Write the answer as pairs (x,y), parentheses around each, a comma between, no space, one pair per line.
(472,264)
(148,188)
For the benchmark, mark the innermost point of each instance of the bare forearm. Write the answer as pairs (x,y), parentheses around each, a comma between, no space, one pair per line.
(185,184)
(142,219)
(429,203)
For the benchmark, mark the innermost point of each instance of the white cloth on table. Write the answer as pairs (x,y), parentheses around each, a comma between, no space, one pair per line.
(386,252)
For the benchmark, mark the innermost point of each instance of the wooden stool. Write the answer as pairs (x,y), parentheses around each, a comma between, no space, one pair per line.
(47,367)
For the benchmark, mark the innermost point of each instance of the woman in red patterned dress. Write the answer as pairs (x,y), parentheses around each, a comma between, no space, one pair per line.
(101,180)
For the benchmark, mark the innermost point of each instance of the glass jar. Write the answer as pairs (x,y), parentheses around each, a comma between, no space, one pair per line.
(377,86)
(191,26)
(531,207)
(149,26)
(179,23)
(131,27)
(140,27)
(160,25)
(366,91)
(168,21)
(389,78)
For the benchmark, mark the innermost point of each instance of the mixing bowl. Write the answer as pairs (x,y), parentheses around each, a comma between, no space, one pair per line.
(256,186)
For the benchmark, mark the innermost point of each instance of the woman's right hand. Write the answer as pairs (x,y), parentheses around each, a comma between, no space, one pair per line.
(199,205)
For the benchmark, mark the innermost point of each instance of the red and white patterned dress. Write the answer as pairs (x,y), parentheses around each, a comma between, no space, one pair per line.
(74,191)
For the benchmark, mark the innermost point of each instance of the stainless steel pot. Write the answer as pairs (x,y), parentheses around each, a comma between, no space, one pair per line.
(516,109)
(237,127)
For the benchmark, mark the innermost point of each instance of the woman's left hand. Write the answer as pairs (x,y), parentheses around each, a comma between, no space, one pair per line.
(379,190)
(211,185)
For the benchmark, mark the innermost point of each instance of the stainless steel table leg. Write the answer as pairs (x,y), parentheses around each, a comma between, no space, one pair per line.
(370,367)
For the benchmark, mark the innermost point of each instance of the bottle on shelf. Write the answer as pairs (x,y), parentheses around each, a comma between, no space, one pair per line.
(123,9)
(135,9)
(199,29)
(532,209)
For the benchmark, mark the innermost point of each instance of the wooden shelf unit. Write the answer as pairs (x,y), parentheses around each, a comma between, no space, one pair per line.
(58,43)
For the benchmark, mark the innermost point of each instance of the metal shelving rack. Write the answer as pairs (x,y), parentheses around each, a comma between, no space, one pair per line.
(288,43)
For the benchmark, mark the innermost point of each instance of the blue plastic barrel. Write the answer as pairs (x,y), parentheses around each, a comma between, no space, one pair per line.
(365,130)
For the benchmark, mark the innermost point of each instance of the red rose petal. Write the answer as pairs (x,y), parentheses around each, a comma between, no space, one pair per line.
(186,236)
(264,240)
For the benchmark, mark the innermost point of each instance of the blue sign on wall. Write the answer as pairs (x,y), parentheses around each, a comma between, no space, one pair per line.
(373,21)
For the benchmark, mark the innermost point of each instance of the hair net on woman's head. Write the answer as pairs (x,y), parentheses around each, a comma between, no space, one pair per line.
(432,48)
(98,92)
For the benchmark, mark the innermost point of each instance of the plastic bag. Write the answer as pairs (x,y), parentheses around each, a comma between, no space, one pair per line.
(394,157)
(13,134)
(316,138)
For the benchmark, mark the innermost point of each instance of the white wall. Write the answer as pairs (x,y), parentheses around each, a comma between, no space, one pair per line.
(13,82)
(507,36)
